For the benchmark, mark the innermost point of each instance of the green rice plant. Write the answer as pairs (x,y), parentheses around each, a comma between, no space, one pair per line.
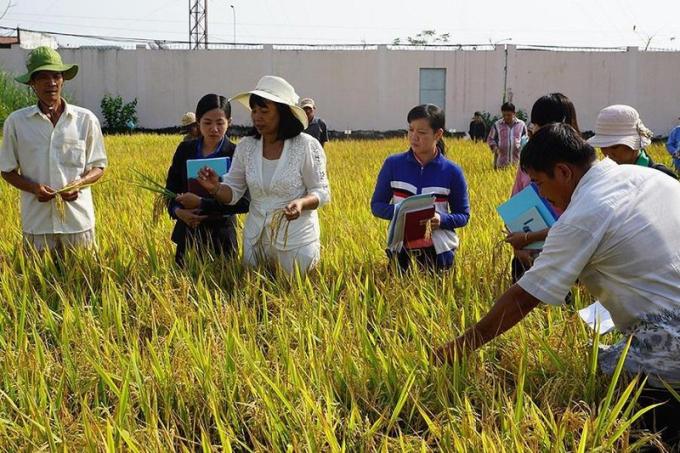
(162,198)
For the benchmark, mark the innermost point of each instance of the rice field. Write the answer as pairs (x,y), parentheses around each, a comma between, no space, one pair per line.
(121,351)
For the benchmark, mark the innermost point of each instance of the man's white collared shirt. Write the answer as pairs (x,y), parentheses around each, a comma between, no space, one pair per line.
(53,156)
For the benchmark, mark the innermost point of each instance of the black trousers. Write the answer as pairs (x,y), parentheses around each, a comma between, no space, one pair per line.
(217,240)
(426,258)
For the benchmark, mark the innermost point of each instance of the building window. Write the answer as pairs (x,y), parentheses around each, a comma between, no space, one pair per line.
(433,87)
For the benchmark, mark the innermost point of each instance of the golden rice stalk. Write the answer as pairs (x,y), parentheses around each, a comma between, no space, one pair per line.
(59,203)
(279,221)
(160,203)
(428,230)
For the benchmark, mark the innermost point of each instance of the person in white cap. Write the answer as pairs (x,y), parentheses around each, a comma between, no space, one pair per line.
(50,146)
(673,146)
(189,127)
(621,136)
(285,172)
(317,127)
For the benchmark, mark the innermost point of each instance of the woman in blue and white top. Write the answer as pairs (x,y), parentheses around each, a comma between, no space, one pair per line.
(424,169)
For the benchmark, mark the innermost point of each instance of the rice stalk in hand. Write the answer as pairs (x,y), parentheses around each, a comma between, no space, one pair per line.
(278,221)
(161,200)
(59,201)
(428,230)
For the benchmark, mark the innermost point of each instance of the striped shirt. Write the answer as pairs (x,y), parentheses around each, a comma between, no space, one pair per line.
(506,138)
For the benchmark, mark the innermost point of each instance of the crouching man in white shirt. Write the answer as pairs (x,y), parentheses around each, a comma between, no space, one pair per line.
(620,239)
(49,146)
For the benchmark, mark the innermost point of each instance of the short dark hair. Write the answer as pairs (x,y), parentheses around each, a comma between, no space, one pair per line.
(434,116)
(556,143)
(210,102)
(508,107)
(554,108)
(289,125)
(477,114)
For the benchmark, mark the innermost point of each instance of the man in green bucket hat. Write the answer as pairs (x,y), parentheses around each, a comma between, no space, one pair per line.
(52,152)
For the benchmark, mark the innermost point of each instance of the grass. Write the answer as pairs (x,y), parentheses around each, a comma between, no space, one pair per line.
(121,351)
(13,95)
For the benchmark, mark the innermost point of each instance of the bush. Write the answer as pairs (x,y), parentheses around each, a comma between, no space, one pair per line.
(119,116)
(522,115)
(13,96)
(489,120)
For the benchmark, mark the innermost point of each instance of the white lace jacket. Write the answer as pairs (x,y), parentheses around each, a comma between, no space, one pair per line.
(300,171)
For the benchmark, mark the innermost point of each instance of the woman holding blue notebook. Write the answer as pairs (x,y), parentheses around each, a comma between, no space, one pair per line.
(551,108)
(211,227)
(423,169)
(284,170)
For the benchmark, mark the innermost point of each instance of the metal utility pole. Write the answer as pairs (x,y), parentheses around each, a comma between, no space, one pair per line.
(198,24)
(505,65)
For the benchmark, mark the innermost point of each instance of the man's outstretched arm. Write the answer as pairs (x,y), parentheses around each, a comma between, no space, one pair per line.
(507,311)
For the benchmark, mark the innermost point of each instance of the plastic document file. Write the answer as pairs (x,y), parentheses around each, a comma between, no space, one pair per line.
(406,222)
(527,212)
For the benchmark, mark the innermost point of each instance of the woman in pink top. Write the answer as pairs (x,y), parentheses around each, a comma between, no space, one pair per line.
(551,108)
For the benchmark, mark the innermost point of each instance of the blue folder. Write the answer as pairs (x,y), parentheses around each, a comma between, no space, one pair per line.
(519,213)
(219,164)
(524,201)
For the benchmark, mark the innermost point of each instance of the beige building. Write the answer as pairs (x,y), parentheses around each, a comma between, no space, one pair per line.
(374,87)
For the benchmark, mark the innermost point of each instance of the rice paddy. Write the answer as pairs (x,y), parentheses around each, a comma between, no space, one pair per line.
(122,351)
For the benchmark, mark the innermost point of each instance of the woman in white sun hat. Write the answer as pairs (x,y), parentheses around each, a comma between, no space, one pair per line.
(621,135)
(285,172)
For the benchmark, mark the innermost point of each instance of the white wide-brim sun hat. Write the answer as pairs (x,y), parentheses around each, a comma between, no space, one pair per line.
(275,89)
(620,125)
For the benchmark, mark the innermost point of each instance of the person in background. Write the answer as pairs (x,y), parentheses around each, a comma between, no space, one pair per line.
(621,136)
(210,227)
(189,127)
(317,127)
(425,169)
(477,129)
(49,146)
(673,147)
(618,235)
(551,108)
(505,137)
(285,172)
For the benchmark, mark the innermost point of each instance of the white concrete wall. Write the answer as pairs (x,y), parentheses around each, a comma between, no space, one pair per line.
(374,89)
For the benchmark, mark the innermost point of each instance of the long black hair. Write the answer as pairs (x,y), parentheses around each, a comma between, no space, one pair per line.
(435,118)
(554,108)
(289,125)
(210,102)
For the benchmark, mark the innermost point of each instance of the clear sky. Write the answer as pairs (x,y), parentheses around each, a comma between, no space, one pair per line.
(540,22)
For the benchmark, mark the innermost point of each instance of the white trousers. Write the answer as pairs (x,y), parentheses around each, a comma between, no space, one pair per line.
(304,257)
(60,242)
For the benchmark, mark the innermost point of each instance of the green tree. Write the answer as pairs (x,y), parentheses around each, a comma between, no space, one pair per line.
(424,38)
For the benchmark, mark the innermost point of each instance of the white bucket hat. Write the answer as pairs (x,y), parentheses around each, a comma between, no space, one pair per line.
(275,89)
(620,125)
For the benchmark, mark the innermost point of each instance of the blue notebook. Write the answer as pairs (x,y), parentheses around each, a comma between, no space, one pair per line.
(219,164)
(526,212)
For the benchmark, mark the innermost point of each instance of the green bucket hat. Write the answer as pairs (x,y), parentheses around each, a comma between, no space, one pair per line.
(46,59)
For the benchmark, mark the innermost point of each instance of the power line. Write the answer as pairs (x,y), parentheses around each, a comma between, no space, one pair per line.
(128,39)
(98,37)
